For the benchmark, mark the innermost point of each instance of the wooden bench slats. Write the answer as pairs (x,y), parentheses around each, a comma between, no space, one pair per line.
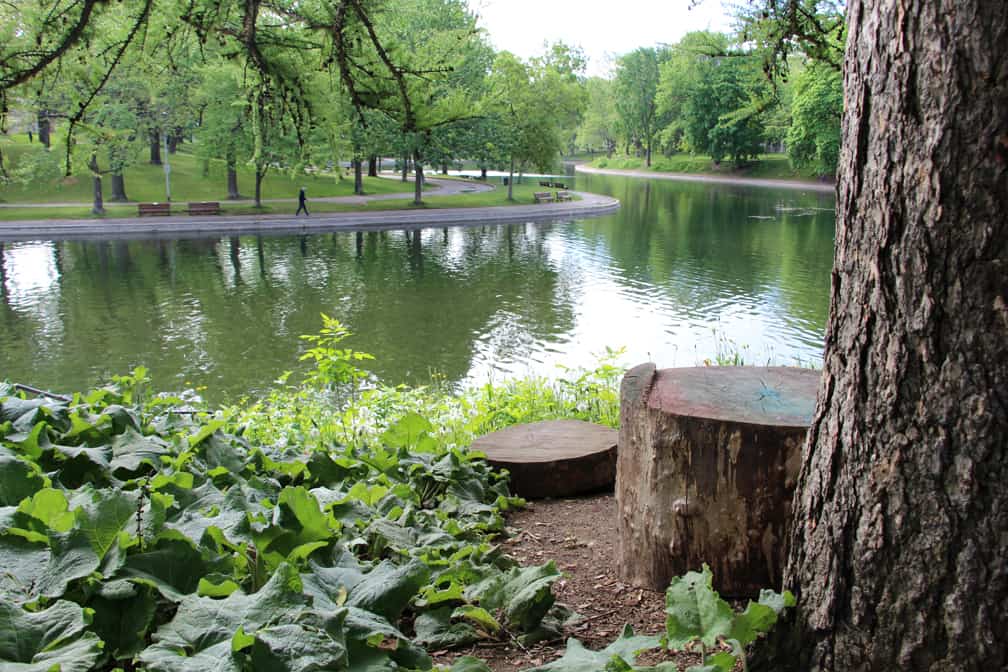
(543,196)
(157,209)
(204,208)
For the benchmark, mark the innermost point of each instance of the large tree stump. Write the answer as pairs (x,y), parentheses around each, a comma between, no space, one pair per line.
(707,464)
(553,458)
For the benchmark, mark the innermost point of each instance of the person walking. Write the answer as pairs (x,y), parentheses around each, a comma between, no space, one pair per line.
(301,203)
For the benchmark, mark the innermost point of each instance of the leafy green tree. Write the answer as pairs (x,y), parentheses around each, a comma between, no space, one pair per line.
(636,90)
(723,109)
(813,141)
(599,127)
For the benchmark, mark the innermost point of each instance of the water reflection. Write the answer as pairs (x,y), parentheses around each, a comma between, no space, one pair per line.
(680,269)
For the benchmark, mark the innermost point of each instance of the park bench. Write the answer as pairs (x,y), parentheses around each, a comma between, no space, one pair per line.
(564,196)
(161,209)
(203,208)
(558,185)
(543,183)
(543,196)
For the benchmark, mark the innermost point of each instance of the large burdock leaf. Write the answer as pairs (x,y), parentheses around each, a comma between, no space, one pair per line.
(22,564)
(172,566)
(18,479)
(48,640)
(199,637)
(525,594)
(616,657)
(388,588)
(297,520)
(298,647)
(695,611)
(123,618)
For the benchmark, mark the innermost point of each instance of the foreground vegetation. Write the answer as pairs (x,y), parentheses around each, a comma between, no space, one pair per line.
(332,525)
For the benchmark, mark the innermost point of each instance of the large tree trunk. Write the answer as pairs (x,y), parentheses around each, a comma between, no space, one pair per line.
(900,531)
(372,166)
(155,148)
(44,127)
(232,175)
(98,207)
(405,168)
(259,175)
(358,179)
(119,188)
(418,180)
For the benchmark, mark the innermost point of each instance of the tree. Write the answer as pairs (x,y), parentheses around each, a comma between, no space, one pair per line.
(598,129)
(813,140)
(898,539)
(636,89)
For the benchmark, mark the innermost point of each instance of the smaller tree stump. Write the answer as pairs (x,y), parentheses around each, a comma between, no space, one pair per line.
(707,466)
(553,458)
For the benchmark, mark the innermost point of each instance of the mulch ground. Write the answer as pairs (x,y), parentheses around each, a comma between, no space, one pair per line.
(580,536)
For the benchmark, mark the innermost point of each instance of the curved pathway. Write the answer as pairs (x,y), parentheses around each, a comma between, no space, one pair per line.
(216,225)
(710,179)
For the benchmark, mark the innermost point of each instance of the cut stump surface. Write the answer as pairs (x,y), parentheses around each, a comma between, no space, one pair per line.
(553,458)
(707,468)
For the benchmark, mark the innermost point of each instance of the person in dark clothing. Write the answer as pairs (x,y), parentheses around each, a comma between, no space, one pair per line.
(301,203)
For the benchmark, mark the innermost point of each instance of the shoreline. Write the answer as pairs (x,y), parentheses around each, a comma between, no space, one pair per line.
(709,179)
(184,226)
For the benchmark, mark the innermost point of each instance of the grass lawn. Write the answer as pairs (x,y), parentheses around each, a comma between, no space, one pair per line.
(522,196)
(767,166)
(145,182)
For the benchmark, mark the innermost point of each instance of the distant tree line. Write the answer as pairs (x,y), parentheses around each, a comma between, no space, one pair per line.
(731,97)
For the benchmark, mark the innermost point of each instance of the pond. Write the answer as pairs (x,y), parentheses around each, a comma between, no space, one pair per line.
(684,272)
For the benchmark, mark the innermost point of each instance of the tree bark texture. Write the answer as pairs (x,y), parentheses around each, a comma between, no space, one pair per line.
(44,127)
(708,459)
(358,180)
(900,531)
(259,175)
(372,166)
(155,148)
(119,188)
(418,179)
(98,207)
(232,176)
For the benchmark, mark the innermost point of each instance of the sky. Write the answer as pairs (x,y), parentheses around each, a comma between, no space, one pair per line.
(604,29)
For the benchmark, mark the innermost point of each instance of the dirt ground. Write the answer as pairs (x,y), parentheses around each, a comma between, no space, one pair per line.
(579,535)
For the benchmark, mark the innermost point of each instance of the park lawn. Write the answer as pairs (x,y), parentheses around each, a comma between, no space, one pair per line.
(145,183)
(767,166)
(522,196)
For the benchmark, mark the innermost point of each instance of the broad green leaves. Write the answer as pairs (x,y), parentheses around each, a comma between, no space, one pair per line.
(46,640)
(183,546)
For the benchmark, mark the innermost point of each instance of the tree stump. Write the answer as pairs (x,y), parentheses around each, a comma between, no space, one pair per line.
(707,466)
(553,458)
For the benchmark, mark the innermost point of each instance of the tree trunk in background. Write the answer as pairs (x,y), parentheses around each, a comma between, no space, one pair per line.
(444,168)
(483,173)
(511,181)
(172,140)
(119,188)
(372,166)
(900,528)
(155,148)
(358,179)
(98,207)
(405,168)
(259,175)
(43,127)
(232,175)
(418,181)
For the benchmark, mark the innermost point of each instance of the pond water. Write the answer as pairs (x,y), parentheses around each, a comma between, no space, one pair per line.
(681,273)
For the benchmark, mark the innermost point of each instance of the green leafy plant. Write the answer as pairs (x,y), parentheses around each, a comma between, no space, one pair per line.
(334,366)
(696,618)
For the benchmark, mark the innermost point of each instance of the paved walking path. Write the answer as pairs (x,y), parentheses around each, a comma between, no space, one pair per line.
(177,226)
(710,179)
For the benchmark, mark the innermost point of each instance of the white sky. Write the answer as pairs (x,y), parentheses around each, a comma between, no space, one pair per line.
(602,28)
